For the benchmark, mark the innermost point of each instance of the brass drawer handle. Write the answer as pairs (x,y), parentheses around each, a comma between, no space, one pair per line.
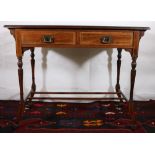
(48,39)
(106,39)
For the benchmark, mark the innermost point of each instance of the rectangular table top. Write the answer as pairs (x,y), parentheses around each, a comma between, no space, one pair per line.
(76,27)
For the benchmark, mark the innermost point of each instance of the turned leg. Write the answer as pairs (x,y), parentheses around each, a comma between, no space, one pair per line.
(118,68)
(118,73)
(133,76)
(20,76)
(33,87)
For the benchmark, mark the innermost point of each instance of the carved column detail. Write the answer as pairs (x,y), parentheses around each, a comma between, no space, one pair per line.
(20,76)
(118,68)
(33,87)
(133,75)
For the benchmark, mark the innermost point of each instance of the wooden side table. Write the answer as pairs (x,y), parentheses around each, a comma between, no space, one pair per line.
(28,37)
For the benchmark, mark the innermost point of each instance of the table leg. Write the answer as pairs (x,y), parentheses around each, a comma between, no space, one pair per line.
(33,86)
(133,76)
(20,76)
(118,69)
(117,87)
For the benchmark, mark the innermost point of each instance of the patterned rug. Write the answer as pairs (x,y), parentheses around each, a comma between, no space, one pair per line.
(63,117)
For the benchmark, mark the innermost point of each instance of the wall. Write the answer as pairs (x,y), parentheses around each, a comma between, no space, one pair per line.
(78,70)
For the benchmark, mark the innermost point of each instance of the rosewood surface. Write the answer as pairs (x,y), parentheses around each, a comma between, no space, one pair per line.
(28,37)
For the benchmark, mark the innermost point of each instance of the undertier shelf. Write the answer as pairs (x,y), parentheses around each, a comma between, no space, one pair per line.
(102,96)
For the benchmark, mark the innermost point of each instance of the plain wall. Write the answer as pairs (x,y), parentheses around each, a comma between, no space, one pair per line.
(85,69)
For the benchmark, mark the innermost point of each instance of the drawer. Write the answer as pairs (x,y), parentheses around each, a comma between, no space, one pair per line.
(47,37)
(107,38)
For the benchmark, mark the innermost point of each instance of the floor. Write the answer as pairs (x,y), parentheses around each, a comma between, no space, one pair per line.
(93,117)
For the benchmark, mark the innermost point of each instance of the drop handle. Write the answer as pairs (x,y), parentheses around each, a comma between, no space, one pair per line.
(106,39)
(48,39)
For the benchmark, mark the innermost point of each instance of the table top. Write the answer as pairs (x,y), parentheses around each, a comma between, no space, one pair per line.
(76,27)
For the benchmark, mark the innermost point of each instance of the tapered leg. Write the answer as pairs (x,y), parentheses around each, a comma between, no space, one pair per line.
(118,68)
(118,73)
(131,102)
(133,76)
(33,87)
(20,75)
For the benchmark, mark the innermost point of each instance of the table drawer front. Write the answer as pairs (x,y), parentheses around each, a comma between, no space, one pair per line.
(38,37)
(107,38)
